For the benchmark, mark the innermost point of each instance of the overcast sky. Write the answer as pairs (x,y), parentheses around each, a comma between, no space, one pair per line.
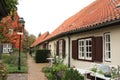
(47,15)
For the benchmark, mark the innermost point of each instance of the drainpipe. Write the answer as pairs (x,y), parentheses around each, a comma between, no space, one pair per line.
(68,51)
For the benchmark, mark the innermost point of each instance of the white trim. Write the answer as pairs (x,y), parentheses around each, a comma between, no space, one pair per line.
(107,47)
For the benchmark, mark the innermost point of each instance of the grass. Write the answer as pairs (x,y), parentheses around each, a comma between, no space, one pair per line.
(11,60)
(15,69)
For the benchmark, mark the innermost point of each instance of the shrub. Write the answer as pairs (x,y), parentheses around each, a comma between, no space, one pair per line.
(52,73)
(3,71)
(41,56)
(71,74)
(58,60)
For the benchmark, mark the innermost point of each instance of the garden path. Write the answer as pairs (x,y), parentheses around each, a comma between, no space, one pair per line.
(35,70)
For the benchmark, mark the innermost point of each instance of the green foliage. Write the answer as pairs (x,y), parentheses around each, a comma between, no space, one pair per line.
(59,67)
(11,6)
(12,62)
(15,50)
(71,74)
(3,38)
(28,41)
(49,73)
(41,56)
(3,72)
(57,60)
(14,69)
(94,69)
(53,72)
(100,72)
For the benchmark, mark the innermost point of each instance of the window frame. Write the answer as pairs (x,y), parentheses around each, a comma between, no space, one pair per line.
(107,47)
(60,49)
(82,49)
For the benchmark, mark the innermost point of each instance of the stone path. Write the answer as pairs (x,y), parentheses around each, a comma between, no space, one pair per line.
(34,72)
(17,76)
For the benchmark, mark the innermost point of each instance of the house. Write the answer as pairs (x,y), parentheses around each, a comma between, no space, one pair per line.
(89,36)
(38,44)
(9,29)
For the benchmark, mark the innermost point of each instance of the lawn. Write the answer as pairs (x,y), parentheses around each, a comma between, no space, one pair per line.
(11,60)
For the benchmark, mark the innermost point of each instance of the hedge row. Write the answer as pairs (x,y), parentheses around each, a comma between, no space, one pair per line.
(41,56)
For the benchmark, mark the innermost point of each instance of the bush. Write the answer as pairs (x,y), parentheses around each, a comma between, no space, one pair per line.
(3,71)
(71,74)
(41,56)
(52,73)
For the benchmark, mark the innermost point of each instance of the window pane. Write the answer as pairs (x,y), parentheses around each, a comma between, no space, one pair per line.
(108,46)
(109,55)
(90,42)
(87,42)
(90,49)
(87,49)
(90,55)
(87,55)
(82,54)
(82,43)
(82,49)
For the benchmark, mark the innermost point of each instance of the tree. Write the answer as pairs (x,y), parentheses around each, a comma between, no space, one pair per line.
(6,24)
(39,34)
(11,6)
(28,40)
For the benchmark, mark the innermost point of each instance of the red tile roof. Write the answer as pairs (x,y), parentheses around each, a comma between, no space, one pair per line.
(40,39)
(98,12)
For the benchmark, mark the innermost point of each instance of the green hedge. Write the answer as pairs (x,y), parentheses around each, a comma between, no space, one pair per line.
(41,56)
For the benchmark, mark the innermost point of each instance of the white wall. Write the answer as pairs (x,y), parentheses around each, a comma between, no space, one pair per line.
(53,48)
(115,46)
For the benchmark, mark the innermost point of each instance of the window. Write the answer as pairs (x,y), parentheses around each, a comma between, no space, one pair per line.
(88,49)
(7,48)
(107,47)
(60,49)
(85,49)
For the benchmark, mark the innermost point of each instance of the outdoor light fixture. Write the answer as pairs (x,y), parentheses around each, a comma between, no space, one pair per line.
(20,33)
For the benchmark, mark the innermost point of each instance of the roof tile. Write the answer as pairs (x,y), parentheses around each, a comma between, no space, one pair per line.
(40,39)
(98,12)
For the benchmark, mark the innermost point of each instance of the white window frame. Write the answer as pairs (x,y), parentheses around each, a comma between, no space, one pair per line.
(107,45)
(60,48)
(82,49)
(7,48)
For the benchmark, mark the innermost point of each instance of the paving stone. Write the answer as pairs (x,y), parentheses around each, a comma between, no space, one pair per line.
(16,76)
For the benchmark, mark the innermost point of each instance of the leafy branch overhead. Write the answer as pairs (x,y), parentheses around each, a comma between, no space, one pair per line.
(11,6)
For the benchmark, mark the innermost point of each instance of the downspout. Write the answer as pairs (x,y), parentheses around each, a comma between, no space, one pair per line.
(69,51)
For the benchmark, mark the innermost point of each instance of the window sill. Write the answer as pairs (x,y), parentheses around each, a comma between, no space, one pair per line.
(85,60)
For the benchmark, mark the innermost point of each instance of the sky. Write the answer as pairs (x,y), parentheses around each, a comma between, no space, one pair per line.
(46,15)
